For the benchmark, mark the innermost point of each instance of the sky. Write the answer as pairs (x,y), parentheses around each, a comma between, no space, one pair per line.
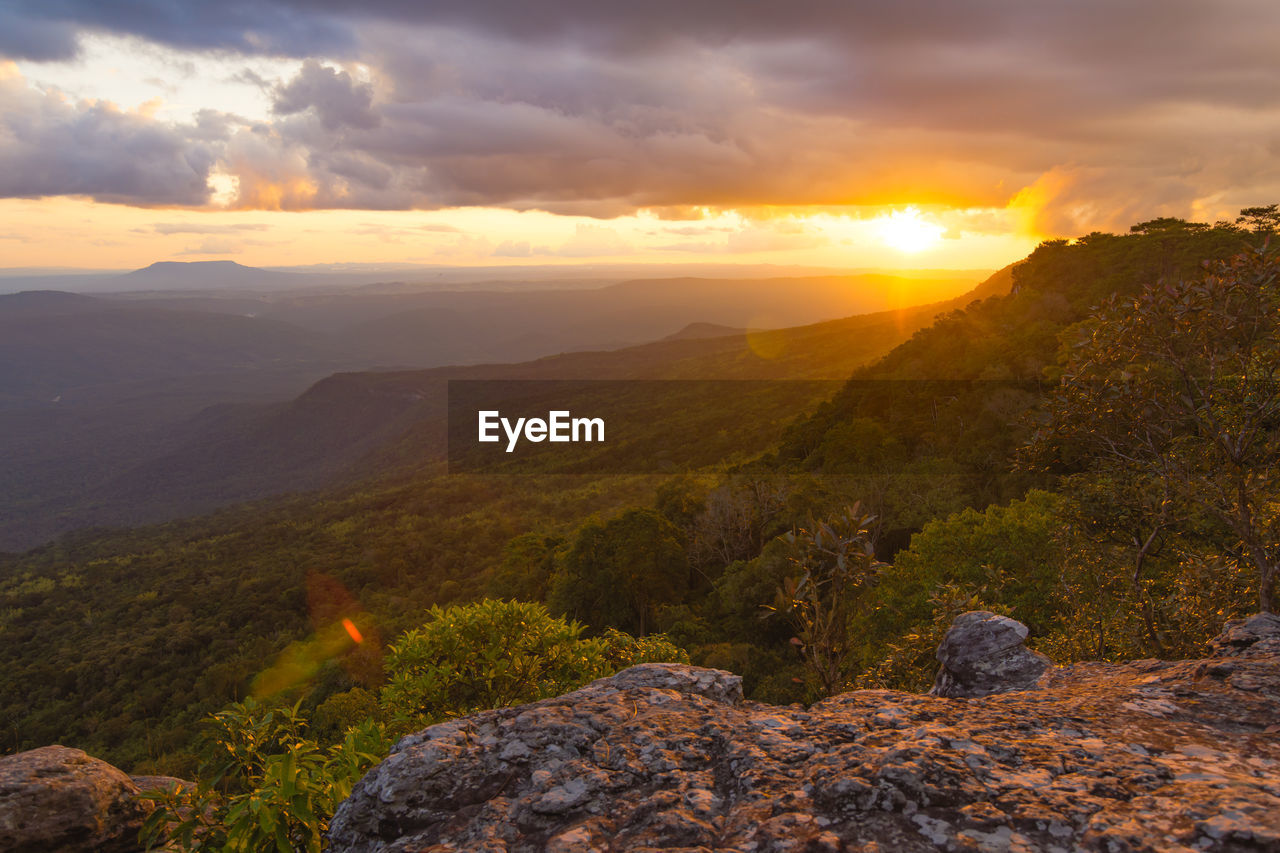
(842,133)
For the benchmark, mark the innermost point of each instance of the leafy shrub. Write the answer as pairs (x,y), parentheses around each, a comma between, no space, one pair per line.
(623,650)
(264,786)
(492,654)
(834,565)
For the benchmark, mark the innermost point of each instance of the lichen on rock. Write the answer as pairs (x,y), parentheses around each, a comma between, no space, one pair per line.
(1259,634)
(982,654)
(60,800)
(1145,756)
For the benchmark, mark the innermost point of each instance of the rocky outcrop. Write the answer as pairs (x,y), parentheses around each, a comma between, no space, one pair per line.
(1257,635)
(60,800)
(983,654)
(1144,756)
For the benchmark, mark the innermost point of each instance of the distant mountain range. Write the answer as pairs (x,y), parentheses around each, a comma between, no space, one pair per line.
(162,412)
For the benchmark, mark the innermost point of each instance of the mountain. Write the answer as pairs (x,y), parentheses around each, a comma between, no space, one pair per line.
(428,329)
(704,330)
(45,303)
(356,425)
(101,398)
(207,275)
(91,387)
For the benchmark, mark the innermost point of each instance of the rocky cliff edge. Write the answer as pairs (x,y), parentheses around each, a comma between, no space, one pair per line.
(1141,756)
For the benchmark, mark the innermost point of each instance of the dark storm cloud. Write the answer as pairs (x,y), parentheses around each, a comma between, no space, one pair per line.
(47,29)
(1092,30)
(26,37)
(1088,108)
(50,147)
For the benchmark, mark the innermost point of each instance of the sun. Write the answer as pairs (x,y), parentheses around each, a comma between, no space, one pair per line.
(905,231)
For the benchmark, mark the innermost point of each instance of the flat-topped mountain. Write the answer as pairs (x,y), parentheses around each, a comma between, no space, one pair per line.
(205,275)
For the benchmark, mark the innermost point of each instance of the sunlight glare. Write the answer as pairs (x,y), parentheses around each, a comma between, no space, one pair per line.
(905,231)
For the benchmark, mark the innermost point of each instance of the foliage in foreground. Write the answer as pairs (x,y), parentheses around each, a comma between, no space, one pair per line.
(494,654)
(267,784)
(834,564)
(264,786)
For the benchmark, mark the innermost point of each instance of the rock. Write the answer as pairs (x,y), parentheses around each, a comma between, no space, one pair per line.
(983,654)
(1259,634)
(59,800)
(161,783)
(1101,757)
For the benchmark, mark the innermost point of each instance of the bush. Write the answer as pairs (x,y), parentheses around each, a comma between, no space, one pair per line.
(493,654)
(264,786)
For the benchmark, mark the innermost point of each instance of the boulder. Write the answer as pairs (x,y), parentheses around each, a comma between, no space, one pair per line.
(1146,756)
(60,800)
(983,654)
(1259,634)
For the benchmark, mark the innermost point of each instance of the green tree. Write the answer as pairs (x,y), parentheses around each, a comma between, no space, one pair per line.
(1260,220)
(618,573)
(485,655)
(493,654)
(1012,552)
(528,563)
(1008,559)
(834,562)
(264,786)
(1181,386)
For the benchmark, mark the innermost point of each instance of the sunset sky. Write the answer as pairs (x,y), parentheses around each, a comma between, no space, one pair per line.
(844,134)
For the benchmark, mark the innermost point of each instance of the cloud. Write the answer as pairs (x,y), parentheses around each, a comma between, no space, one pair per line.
(23,36)
(774,237)
(198,228)
(770,235)
(50,146)
(697,230)
(214,246)
(1082,115)
(692,247)
(42,30)
(336,98)
(589,241)
(513,249)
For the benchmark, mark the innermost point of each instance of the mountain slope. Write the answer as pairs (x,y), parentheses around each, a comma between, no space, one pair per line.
(389,424)
(102,395)
(54,344)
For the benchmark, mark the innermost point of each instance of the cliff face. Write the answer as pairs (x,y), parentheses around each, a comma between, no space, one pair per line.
(1148,755)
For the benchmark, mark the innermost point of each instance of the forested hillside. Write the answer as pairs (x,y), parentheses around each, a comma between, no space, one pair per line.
(148,407)
(183,614)
(942,477)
